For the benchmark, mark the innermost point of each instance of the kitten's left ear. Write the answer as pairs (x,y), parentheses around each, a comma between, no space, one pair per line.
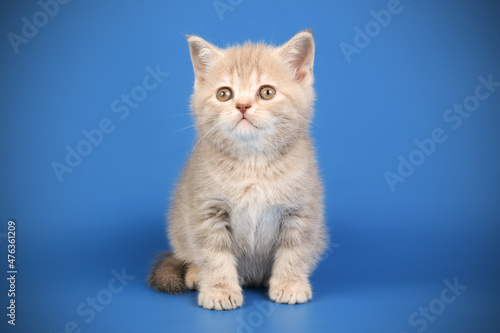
(298,54)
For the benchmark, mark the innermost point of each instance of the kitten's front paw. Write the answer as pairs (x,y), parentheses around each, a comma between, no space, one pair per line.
(220,298)
(291,293)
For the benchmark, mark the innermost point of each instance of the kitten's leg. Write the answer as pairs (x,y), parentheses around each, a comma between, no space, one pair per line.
(219,288)
(191,279)
(289,281)
(218,276)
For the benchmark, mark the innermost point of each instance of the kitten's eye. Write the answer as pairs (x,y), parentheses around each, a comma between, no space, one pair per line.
(267,92)
(224,94)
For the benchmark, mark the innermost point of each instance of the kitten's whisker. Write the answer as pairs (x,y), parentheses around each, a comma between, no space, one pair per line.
(193,125)
(292,134)
(309,120)
(218,138)
(183,114)
(286,146)
(182,129)
(204,137)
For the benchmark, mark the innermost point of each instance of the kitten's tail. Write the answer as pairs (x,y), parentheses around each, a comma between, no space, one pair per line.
(168,274)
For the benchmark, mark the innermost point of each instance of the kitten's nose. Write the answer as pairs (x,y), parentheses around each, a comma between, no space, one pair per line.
(243,107)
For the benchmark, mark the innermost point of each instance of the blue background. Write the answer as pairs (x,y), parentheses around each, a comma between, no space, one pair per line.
(390,250)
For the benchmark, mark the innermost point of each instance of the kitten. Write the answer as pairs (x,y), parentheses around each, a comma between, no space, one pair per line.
(248,209)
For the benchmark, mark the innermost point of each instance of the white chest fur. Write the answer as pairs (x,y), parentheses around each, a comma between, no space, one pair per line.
(255,227)
(257,206)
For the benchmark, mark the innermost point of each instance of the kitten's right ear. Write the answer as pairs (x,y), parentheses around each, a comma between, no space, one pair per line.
(203,56)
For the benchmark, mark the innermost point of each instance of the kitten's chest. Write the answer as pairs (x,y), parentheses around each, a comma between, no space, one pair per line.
(262,187)
(258,198)
(255,227)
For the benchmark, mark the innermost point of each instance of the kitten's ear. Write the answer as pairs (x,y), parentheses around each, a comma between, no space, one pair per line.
(203,55)
(298,54)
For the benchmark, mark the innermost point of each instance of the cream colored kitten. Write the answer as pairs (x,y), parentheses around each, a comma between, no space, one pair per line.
(248,209)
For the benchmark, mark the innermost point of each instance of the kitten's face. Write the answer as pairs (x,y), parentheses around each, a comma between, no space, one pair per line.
(254,98)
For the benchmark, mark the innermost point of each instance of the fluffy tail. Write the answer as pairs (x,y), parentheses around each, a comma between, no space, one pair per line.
(168,274)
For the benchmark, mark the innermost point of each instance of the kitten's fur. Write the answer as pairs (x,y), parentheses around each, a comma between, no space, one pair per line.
(248,209)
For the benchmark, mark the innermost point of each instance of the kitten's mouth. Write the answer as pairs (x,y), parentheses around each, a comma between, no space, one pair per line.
(245,122)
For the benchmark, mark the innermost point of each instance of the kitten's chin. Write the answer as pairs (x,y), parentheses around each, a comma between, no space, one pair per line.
(245,130)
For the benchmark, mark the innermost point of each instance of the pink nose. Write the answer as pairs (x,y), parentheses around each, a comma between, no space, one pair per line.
(243,107)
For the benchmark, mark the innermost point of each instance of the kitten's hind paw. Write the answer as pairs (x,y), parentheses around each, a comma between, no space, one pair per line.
(220,298)
(191,279)
(291,293)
